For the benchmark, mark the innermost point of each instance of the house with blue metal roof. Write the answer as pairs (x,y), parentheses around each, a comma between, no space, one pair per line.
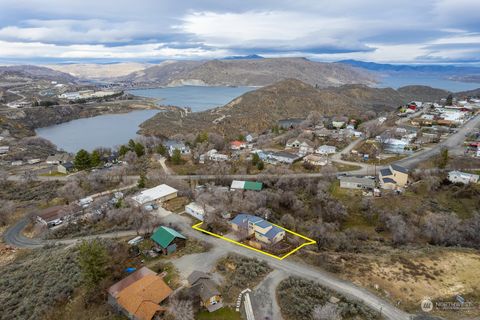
(263,230)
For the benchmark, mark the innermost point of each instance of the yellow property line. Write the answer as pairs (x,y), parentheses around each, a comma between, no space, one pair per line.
(309,241)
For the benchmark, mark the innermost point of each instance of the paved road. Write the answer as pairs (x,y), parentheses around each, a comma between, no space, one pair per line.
(264,297)
(453,143)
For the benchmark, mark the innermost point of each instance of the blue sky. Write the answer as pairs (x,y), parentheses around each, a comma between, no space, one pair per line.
(426,31)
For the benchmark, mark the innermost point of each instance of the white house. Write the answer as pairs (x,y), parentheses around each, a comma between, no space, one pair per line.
(213,155)
(462,177)
(316,160)
(159,193)
(173,145)
(326,149)
(198,211)
(4,149)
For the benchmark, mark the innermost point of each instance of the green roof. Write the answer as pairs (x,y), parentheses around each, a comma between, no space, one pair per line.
(255,186)
(165,235)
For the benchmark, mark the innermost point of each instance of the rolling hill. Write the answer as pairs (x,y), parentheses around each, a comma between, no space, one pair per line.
(258,110)
(248,72)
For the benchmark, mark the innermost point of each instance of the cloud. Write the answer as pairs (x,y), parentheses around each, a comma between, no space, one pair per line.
(402,31)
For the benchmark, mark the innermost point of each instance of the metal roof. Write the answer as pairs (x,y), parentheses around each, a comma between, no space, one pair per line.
(165,235)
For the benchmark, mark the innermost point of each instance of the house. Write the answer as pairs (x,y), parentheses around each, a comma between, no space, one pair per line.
(323,132)
(53,216)
(213,155)
(65,168)
(168,240)
(238,145)
(17,163)
(85,202)
(280,156)
(249,138)
(158,194)
(316,160)
(4,149)
(357,183)
(246,185)
(393,177)
(462,177)
(337,124)
(263,230)
(139,295)
(202,285)
(298,143)
(58,158)
(198,211)
(326,149)
(173,145)
(33,161)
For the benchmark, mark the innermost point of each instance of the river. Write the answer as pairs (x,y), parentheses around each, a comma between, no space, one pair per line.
(115,129)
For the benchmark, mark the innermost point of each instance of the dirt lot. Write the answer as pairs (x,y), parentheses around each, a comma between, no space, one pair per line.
(407,277)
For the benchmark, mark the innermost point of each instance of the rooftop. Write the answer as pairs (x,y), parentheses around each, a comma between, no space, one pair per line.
(163,236)
(154,194)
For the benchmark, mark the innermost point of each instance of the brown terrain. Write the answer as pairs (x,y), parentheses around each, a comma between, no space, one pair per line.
(257,72)
(259,110)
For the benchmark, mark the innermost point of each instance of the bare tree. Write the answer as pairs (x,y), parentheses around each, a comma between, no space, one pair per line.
(3,177)
(181,309)
(7,209)
(329,311)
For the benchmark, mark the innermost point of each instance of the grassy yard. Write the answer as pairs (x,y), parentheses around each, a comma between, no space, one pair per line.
(345,167)
(225,313)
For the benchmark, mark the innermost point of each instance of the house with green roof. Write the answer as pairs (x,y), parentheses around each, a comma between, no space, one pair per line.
(246,185)
(168,240)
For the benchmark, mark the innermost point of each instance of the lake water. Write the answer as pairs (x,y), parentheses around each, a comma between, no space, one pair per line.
(115,129)
(397,81)
(198,98)
(101,131)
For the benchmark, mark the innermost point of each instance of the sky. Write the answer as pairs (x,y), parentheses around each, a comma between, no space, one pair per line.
(383,31)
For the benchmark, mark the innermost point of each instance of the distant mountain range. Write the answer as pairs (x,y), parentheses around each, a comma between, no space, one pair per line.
(259,110)
(28,73)
(95,71)
(249,57)
(248,72)
(428,69)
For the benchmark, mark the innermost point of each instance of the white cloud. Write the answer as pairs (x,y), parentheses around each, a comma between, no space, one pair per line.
(374,30)
(143,51)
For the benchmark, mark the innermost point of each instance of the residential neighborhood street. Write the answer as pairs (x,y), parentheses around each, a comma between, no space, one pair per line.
(206,261)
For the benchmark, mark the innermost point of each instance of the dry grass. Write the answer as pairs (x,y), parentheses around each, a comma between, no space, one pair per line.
(408,277)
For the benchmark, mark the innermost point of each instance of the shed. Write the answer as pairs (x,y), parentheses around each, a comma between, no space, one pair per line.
(168,239)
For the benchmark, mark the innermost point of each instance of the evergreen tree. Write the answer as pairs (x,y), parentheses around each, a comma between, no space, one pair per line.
(161,149)
(260,165)
(176,157)
(139,149)
(92,259)
(142,181)
(95,158)
(123,150)
(82,160)
(131,145)
(201,137)
(255,159)
(449,100)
